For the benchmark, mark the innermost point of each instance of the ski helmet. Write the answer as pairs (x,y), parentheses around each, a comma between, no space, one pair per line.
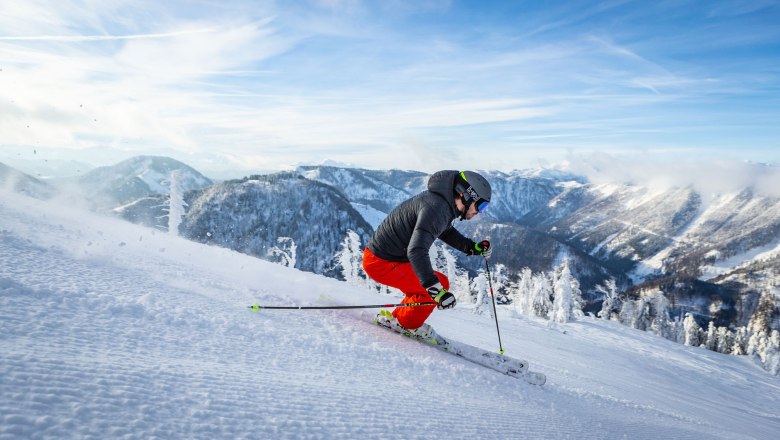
(472,188)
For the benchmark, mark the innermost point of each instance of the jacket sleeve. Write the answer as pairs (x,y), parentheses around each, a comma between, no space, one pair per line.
(454,238)
(427,228)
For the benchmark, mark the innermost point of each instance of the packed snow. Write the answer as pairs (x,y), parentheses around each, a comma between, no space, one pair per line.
(112,330)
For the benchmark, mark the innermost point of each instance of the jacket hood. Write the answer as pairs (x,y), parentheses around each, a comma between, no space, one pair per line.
(443,184)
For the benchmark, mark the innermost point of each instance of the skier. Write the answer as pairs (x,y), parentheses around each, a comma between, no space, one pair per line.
(397,254)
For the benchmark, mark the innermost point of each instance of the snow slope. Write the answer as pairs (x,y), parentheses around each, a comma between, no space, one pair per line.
(111,330)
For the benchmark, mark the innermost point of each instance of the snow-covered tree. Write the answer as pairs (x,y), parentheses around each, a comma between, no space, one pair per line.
(757,344)
(642,318)
(541,294)
(772,362)
(762,318)
(567,303)
(660,321)
(484,302)
(576,298)
(350,258)
(711,341)
(611,304)
(522,298)
(176,204)
(692,331)
(501,283)
(740,342)
(725,340)
(284,252)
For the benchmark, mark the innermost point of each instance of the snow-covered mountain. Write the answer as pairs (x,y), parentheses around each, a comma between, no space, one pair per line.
(135,178)
(659,232)
(252,214)
(514,194)
(12,179)
(112,330)
(381,190)
(675,238)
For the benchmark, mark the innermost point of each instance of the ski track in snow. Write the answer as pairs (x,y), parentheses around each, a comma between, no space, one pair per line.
(111,330)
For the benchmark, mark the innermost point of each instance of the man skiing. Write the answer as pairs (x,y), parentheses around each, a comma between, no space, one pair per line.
(397,254)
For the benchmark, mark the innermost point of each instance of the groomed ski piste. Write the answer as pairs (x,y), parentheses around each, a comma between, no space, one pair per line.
(112,330)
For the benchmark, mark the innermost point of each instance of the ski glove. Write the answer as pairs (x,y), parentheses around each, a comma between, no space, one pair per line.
(444,299)
(482,248)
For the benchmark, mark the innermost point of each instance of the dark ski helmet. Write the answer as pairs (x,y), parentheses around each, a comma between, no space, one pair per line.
(472,188)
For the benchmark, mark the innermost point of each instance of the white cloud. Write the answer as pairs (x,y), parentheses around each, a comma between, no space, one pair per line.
(125,91)
(709,177)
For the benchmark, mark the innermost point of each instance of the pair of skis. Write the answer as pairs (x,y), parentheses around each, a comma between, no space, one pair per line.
(495,361)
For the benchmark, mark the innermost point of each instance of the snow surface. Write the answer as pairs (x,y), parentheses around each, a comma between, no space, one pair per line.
(721,267)
(373,217)
(112,330)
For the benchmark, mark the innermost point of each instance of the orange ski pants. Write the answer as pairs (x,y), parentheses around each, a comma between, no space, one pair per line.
(402,277)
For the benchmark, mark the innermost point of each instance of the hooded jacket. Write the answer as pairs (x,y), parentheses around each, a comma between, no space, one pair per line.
(408,232)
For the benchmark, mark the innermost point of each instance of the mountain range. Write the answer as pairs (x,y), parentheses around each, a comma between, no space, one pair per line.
(712,255)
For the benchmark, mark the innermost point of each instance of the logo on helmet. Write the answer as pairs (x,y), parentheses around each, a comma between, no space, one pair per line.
(471,194)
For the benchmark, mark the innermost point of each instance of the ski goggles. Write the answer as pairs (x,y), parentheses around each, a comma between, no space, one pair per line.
(481,204)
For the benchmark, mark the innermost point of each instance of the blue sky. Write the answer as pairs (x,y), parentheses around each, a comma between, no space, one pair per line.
(233,87)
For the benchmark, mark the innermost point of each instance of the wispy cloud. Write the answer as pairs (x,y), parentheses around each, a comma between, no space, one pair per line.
(83,38)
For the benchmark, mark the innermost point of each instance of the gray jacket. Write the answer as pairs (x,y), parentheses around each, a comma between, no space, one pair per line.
(410,229)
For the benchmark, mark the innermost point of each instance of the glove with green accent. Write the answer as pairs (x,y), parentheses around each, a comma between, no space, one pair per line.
(443,298)
(482,248)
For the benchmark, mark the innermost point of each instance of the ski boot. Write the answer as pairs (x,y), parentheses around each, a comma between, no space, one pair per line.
(425,332)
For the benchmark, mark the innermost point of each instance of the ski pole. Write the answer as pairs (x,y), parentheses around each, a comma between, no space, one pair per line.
(495,313)
(257,307)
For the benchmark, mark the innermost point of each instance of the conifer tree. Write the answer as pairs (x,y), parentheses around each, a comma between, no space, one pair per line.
(501,283)
(541,295)
(522,301)
(761,319)
(567,296)
(740,342)
(712,337)
(772,363)
(484,302)
(349,258)
(661,322)
(725,340)
(692,331)
(611,300)
(757,344)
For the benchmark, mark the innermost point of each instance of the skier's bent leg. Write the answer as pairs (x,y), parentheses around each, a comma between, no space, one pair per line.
(413,317)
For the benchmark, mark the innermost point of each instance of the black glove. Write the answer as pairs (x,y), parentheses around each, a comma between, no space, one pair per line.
(482,248)
(444,299)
